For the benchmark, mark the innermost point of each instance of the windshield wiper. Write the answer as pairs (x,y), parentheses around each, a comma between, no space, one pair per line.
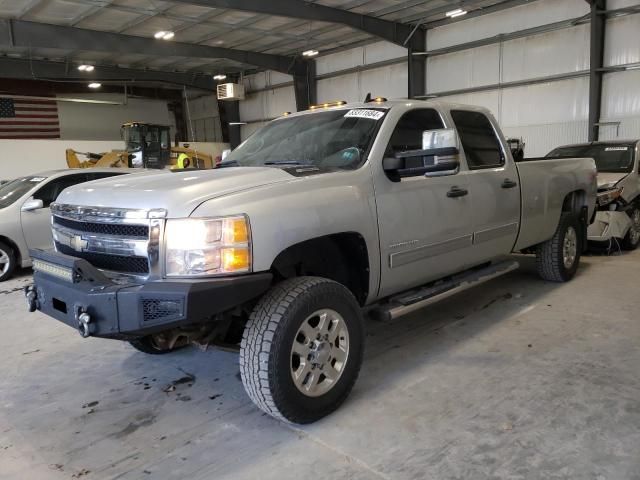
(285,162)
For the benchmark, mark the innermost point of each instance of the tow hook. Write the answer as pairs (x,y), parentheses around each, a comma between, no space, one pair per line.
(32,298)
(86,327)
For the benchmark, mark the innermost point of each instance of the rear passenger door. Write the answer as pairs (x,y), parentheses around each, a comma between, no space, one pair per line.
(493,184)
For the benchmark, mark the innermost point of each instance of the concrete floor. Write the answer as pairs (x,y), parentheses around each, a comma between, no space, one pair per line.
(517,379)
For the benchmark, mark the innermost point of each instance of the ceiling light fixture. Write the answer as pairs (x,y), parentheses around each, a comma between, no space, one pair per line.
(458,12)
(95,85)
(310,53)
(220,77)
(235,124)
(86,68)
(164,35)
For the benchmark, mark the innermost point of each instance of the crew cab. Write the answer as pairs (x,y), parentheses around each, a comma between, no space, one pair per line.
(388,205)
(617,221)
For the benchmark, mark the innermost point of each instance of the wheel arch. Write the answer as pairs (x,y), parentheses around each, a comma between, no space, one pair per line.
(342,257)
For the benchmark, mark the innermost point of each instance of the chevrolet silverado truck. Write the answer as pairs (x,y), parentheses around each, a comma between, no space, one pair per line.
(617,222)
(386,205)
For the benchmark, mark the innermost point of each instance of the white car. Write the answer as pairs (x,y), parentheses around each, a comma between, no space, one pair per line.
(25,219)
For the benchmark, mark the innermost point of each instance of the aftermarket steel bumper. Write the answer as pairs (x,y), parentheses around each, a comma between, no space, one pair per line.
(74,292)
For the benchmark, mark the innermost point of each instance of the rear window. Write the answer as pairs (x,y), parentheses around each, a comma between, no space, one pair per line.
(610,158)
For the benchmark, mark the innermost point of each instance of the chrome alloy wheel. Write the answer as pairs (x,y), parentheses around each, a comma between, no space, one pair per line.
(570,247)
(5,262)
(320,352)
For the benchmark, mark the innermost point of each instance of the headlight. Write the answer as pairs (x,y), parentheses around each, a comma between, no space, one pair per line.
(608,196)
(200,247)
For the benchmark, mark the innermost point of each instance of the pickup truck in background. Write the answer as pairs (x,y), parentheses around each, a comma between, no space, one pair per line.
(392,205)
(617,221)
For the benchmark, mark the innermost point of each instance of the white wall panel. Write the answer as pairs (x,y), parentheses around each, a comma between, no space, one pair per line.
(546,103)
(536,13)
(621,95)
(546,54)
(541,139)
(90,121)
(266,79)
(466,69)
(390,82)
(355,57)
(267,104)
(345,87)
(622,40)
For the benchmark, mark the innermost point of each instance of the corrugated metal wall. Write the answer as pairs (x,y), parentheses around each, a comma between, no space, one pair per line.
(545,114)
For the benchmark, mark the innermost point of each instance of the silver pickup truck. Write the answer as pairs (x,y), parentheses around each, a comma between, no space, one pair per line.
(388,205)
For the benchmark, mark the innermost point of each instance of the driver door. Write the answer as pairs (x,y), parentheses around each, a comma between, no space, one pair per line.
(425,231)
(36,224)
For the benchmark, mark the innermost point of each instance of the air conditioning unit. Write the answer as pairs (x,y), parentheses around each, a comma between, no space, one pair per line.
(230,91)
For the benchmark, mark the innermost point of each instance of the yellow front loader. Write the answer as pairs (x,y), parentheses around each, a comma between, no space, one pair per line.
(146,146)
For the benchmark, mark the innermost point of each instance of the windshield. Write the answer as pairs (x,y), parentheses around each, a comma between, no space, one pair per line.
(132,138)
(12,191)
(610,158)
(336,139)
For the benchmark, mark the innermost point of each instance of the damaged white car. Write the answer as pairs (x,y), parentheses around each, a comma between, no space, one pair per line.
(617,221)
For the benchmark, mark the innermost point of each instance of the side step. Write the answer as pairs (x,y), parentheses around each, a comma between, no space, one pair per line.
(413,300)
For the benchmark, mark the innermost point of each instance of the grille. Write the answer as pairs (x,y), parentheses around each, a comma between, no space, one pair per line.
(154,310)
(109,262)
(119,230)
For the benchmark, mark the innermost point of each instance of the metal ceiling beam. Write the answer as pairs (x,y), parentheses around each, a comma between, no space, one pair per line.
(59,71)
(19,33)
(391,31)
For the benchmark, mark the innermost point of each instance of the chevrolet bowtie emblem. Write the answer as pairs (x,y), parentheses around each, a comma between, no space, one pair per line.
(77,243)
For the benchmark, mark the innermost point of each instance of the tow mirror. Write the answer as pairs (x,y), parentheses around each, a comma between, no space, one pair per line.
(439,157)
(32,204)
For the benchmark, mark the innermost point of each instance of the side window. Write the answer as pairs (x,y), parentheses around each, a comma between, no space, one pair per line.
(481,145)
(408,132)
(49,192)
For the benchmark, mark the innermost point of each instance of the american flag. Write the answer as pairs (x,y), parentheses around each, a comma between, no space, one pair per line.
(28,118)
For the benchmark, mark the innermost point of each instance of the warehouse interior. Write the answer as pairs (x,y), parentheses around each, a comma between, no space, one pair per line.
(516,378)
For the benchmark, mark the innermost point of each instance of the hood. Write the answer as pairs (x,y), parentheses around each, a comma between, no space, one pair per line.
(177,192)
(609,179)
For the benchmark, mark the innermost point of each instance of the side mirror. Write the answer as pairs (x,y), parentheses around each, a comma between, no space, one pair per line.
(32,204)
(438,157)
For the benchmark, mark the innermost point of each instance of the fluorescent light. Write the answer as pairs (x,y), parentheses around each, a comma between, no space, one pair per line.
(164,35)
(160,34)
(237,123)
(95,85)
(458,12)
(86,68)
(220,77)
(310,53)
(168,36)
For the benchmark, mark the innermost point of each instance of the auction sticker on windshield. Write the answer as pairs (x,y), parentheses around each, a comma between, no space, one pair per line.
(364,113)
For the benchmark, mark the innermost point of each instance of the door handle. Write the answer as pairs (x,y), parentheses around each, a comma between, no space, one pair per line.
(508,183)
(457,192)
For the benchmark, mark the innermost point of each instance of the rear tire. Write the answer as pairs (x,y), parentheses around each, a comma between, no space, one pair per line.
(302,349)
(558,258)
(7,262)
(632,238)
(150,347)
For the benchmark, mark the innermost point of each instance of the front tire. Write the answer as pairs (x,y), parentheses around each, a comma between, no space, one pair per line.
(632,239)
(302,349)
(558,258)
(7,262)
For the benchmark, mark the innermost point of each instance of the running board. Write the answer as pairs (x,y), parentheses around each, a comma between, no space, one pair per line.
(409,302)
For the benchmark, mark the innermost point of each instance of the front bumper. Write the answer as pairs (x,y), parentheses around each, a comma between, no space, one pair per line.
(608,225)
(99,306)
